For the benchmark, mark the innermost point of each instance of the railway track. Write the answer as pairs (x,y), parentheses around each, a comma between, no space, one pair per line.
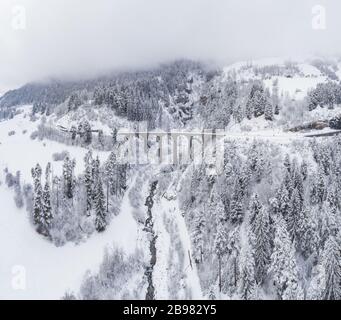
(327,134)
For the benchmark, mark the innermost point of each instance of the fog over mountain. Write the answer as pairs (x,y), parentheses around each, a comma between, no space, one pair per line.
(132,170)
(83,38)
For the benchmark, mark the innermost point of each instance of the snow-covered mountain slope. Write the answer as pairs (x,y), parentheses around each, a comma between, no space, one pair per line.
(20,152)
(295,78)
(49,270)
(184,230)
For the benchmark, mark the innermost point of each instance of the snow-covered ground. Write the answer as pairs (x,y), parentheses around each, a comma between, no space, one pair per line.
(20,152)
(168,209)
(50,271)
(296,86)
(105,119)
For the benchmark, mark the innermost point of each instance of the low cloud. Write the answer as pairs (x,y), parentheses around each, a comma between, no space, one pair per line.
(82,38)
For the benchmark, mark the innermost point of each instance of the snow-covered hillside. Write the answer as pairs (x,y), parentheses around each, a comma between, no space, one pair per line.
(295,78)
(264,226)
(50,271)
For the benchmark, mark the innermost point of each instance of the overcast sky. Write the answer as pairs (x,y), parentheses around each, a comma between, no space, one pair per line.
(77,38)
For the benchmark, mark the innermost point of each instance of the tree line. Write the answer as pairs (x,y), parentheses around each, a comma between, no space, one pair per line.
(66,206)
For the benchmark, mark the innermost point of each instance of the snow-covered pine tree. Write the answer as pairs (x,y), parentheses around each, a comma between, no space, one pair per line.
(99,206)
(297,183)
(98,96)
(18,198)
(88,182)
(307,233)
(111,169)
(37,197)
(48,172)
(275,97)
(198,235)
(220,243)
(247,273)
(283,201)
(332,265)
(313,199)
(233,251)
(255,163)
(74,101)
(69,177)
(220,210)
(95,167)
(256,101)
(320,187)
(328,223)
(269,112)
(85,132)
(122,101)
(236,214)
(260,241)
(122,177)
(325,158)
(254,210)
(295,208)
(259,103)
(249,110)
(47,209)
(332,199)
(238,113)
(47,216)
(283,265)
(96,176)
